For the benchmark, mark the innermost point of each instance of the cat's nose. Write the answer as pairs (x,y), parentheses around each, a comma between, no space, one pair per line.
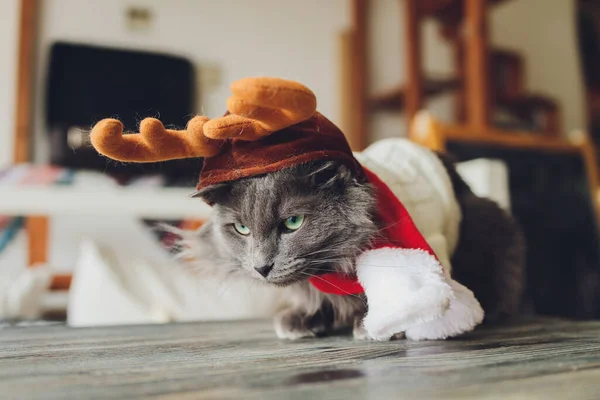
(264,270)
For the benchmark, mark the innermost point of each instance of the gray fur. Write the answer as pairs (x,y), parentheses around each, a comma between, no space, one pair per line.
(339,225)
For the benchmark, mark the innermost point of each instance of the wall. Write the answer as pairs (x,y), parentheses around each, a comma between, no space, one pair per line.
(544,32)
(386,69)
(211,35)
(547,41)
(9,21)
(290,39)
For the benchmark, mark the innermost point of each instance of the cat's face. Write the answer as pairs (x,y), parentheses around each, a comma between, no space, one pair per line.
(286,226)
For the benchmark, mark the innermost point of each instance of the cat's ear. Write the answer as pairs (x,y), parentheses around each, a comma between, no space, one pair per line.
(214,194)
(332,175)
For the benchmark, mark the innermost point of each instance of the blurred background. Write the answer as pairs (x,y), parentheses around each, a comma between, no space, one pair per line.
(514,86)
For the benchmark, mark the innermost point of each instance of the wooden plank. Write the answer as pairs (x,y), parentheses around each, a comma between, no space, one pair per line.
(25,77)
(535,358)
(37,233)
(349,98)
(37,227)
(510,139)
(192,224)
(413,93)
(61,282)
(477,69)
(359,72)
(434,135)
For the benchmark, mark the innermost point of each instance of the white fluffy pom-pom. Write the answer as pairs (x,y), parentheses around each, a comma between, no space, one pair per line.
(464,314)
(404,288)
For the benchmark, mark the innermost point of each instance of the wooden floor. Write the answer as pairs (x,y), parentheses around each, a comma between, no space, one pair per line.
(540,359)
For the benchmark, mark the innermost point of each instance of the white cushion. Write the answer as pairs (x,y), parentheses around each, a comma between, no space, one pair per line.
(124,288)
(487,178)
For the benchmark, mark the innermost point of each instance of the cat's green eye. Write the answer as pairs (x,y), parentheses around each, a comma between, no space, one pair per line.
(294,223)
(241,229)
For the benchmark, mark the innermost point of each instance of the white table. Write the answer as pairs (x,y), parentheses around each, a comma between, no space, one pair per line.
(40,202)
(152,203)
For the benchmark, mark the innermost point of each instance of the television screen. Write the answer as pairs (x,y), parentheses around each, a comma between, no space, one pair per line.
(88,83)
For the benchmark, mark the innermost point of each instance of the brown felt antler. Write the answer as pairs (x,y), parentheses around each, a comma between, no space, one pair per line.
(153,143)
(261,106)
(258,107)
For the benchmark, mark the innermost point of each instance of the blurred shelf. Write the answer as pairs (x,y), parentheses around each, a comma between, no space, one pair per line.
(393,100)
(445,9)
(517,140)
(526,102)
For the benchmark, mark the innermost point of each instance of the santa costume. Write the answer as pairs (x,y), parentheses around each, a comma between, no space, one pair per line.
(272,124)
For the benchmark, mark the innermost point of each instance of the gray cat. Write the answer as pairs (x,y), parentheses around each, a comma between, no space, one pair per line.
(286,226)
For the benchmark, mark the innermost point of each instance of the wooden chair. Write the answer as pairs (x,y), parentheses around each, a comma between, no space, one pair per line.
(37,226)
(434,135)
(486,79)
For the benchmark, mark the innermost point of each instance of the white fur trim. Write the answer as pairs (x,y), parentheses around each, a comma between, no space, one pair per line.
(404,288)
(464,314)
(439,245)
(419,179)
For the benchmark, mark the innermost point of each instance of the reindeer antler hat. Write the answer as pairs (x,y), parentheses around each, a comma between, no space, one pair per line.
(272,124)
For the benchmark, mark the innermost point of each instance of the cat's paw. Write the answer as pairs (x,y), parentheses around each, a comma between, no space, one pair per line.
(295,325)
(358,330)
(398,336)
(360,333)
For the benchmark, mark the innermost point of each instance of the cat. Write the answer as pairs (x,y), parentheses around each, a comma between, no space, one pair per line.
(283,227)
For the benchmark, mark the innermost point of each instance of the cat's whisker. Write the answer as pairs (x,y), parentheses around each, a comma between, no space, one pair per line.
(383,228)
(411,267)
(327,260)
(337,287)
(331,247)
